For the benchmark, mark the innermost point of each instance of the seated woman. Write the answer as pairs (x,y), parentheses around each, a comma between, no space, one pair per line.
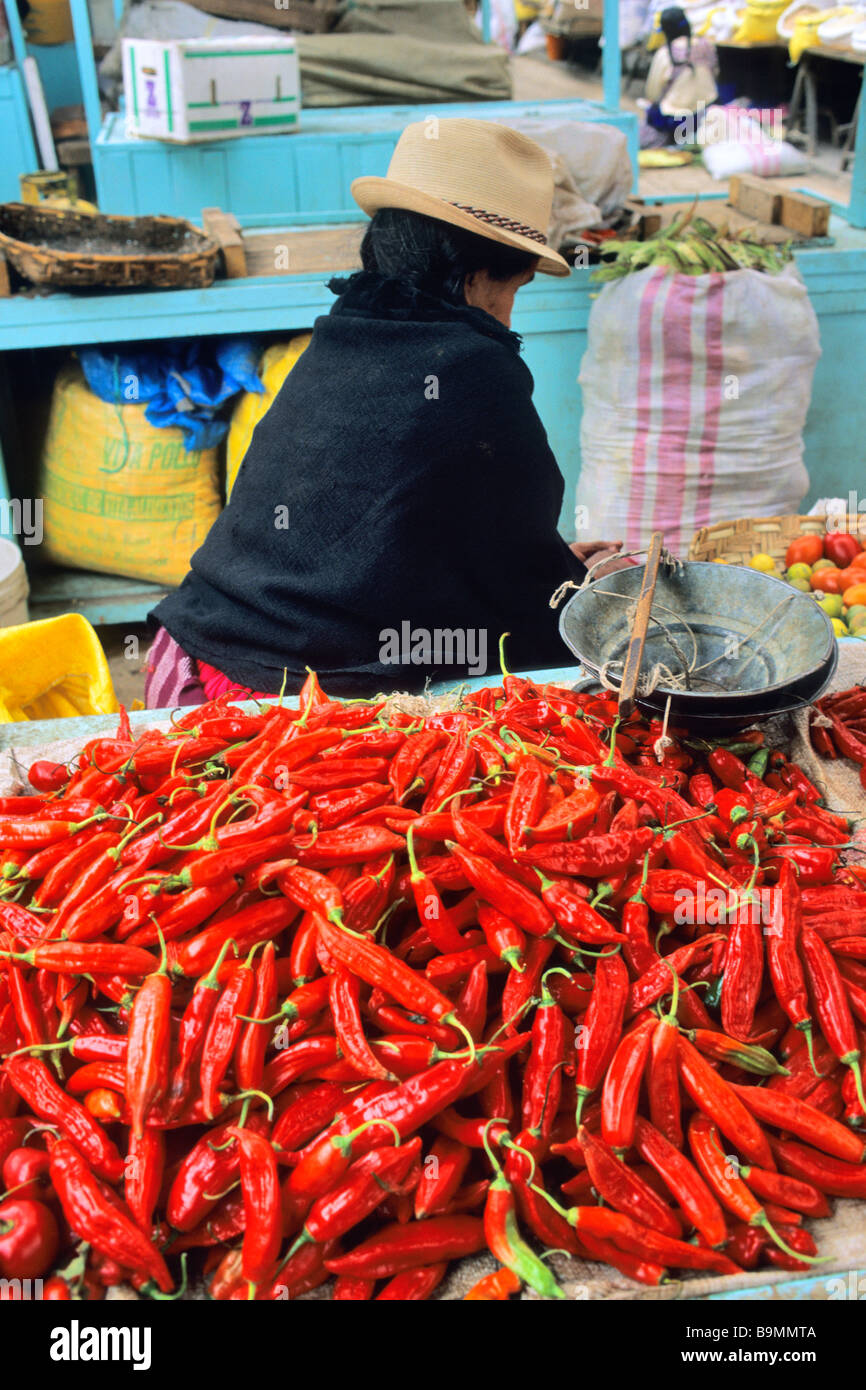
(396,511)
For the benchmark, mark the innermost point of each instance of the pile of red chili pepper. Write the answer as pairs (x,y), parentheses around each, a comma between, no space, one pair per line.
(837,726)
(339,992)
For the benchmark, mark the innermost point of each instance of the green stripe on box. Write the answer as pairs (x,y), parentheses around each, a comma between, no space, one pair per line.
(169,111)
(275,120)
(134,81)
(214,125)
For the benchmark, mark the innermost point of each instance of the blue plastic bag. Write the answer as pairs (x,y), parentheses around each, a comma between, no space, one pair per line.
(183,382)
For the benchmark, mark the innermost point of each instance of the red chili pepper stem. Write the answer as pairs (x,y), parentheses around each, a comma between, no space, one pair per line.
(502,1231)
(150,1289)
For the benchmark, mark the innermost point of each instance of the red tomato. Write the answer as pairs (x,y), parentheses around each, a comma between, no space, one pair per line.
(24,1170)
(28,1238)
(841,547)
(804,550)
(854,574)
(828,581)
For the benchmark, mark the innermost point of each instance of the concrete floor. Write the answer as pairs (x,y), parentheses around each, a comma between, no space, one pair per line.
(126,660)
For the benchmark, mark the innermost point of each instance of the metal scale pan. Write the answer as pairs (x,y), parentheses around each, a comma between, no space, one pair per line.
(771,648)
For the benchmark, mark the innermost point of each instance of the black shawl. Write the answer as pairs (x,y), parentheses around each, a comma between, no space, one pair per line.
(400,486)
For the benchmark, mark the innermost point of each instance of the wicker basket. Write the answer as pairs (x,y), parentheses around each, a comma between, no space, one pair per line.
(738,541)
(70,250)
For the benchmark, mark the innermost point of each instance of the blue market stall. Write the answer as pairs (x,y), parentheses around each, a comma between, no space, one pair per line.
(302,179)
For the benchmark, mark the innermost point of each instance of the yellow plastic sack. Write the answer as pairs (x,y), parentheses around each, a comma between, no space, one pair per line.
(121,496)
(760,20)
(277,362)
(53,668)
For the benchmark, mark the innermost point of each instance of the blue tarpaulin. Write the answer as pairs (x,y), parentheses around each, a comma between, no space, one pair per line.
(183,383)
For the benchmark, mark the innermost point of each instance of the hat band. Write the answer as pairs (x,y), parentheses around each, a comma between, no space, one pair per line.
(504,223)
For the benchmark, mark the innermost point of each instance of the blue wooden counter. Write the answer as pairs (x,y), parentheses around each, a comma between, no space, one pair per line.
(551,314)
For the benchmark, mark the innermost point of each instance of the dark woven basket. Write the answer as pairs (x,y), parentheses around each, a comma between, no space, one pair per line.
(74,250)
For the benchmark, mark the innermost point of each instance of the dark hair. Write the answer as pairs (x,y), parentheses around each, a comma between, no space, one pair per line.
(435,256)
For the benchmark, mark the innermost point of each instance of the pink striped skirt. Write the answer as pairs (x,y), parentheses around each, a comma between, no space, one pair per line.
(173,678)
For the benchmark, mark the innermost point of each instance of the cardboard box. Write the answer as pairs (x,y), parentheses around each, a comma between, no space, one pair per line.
(210,89)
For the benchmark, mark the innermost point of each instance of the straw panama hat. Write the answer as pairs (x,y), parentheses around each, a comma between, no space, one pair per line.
(484,177)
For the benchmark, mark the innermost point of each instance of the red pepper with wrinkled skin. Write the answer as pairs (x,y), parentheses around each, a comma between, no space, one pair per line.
(260,1185)
(574,916)
(143,1174)
(102,1220)
(597,1039)
(34,1083)
(623,1188)
(716,1099)
(621,1090)
(800,1118)
(223,1033)
(542,1077)
(595,856)
(147,1051)
(503,937)
(397,1248)
(511,898)
(365,1187)
(683,1181)
(832,1008)
(743,974)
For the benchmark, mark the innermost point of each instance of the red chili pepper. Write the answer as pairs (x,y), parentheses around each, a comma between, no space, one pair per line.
(263,1211)
(787,1191)
(33,1082)
(396,1248)
(143,1174)
(366,1186)
(683,1181)
(443,1171)
(377,966)
(148,1043)
(716,1099)
(504,939)
(831,1004)
(223,1033)
(512,899)
(621,1089)
(596,1040)
(595,856)
(254,1040)
(101,1219)
(831,1175)
(800,1118)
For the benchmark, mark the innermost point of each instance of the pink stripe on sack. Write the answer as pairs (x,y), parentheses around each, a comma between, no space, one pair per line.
(715,366)
(678,348)
(644,407)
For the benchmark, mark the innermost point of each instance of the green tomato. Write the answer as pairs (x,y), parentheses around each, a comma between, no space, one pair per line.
(802,584)
(857,610)
(857,624)
(831,604)
(823,565)
(799,572)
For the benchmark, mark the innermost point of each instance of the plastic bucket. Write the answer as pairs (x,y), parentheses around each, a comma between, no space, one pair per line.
(13,586)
